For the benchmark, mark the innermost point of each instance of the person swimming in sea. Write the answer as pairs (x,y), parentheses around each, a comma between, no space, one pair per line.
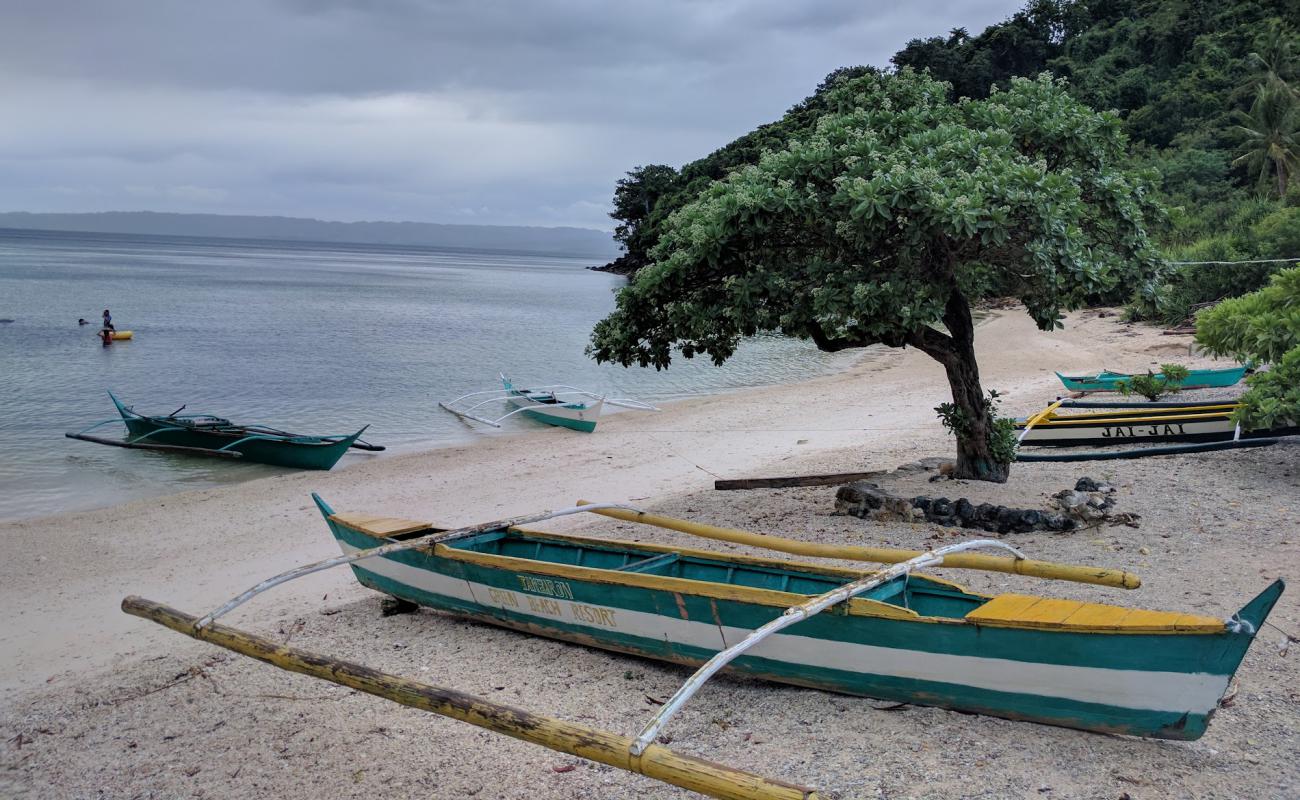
(106,336)
(83,321)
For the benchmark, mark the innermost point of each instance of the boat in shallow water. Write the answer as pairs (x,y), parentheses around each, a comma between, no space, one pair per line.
(209,435)
(549,405)
(559,405)
(1107,380)
(906,637)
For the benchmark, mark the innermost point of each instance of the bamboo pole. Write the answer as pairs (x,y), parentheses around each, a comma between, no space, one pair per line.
(660,763)
(1099,576)
(1037,418)
(165,448)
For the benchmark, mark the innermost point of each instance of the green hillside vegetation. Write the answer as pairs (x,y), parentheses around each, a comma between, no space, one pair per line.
(1206,93)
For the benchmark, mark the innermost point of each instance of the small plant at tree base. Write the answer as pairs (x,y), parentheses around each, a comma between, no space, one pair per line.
(1002,430)
(1154,386)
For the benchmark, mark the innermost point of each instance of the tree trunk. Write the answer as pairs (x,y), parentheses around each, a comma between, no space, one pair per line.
(956,352)
(974,455)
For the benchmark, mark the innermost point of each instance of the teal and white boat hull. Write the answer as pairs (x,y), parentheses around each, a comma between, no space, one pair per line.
(555,404)
(917,640)
(209,435)
(578,415)
(1107,381)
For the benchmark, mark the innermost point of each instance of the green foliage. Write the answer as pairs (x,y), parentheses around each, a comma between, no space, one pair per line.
(1002,437)
(975,66)
(635,198)
(1169,69)
(1179,75)
(1207,92)
(862,231)
(665,190)
(1273,398)
(878,226)
(1257,229)
(1154,386)
(1278,234)
(1270,135)
(1263,326)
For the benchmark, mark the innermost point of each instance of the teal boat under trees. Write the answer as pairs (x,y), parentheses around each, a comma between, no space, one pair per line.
(894,634)
(1108,381)
(208,435)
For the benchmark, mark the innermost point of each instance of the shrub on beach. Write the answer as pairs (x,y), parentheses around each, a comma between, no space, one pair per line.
(1264,326)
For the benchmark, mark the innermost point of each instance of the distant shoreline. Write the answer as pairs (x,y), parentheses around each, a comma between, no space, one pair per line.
(569,241)
(271,243)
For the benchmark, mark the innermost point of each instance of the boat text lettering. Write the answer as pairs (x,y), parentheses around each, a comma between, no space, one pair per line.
(542,605)
(1127,431)
(503,598)
(545,586)
(593,615)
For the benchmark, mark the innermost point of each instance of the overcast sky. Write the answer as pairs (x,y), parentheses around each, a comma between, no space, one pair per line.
(475,111)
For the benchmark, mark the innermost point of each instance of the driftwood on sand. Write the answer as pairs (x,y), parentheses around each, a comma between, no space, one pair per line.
(833,479)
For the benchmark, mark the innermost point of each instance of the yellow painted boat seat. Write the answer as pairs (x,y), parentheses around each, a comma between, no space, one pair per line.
(379,526)
(1028,611)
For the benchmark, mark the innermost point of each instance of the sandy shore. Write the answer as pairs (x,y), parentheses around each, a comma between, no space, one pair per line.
(97,704)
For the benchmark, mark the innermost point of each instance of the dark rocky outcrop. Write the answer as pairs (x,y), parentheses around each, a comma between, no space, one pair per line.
(1088,503)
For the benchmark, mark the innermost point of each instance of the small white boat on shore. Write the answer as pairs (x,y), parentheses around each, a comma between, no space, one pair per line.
(557,404)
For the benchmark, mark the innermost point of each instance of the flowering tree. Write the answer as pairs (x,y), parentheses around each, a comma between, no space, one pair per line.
(879,226)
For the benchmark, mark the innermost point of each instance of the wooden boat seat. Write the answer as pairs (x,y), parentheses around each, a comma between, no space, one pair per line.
(1027,611)
(383,527)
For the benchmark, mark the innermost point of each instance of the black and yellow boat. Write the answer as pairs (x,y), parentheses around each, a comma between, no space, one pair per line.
(1188,426)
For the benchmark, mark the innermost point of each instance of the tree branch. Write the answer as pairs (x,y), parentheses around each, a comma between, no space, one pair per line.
(833,345)
(933,343)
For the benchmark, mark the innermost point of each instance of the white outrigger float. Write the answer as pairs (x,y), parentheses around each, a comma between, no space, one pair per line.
(555,404)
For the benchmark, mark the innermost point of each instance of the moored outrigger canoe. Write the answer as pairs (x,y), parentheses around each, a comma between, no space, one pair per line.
(914,639)
(554,404)
(1108,381)
(891,634)
(209,435)
(1131,423)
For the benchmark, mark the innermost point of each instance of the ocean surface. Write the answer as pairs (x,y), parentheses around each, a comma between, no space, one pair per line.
(313,338)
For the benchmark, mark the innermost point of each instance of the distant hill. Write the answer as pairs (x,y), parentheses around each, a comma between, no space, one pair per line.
(567,241)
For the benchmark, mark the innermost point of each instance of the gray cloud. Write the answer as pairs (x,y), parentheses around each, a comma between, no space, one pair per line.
(436,111)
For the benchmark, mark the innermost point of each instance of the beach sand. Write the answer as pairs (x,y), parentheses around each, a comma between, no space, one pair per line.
(94,703)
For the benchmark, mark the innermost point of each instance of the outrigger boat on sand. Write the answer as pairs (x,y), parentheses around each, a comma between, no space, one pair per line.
(559,405)
(893,634)
(1193,426)
(208,435)
(1107,380)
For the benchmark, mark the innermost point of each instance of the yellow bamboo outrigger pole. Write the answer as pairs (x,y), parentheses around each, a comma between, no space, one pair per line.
(1099,576)
(658,762)
(1037,418)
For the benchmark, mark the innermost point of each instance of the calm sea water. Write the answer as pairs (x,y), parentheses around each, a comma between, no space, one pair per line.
(316,338)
